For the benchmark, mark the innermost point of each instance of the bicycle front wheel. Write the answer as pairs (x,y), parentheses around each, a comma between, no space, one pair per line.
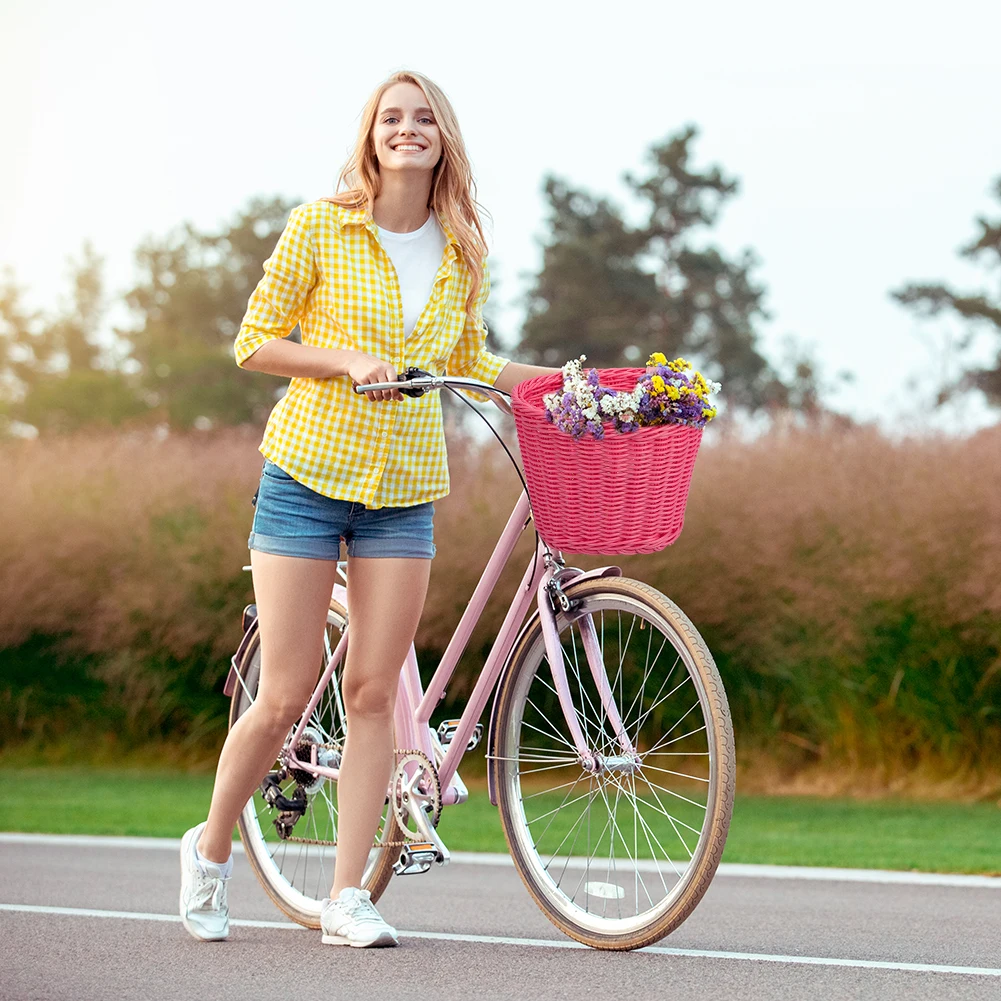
(296,868)
(616,857)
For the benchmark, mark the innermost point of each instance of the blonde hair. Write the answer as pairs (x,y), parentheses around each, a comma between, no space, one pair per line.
(453,190)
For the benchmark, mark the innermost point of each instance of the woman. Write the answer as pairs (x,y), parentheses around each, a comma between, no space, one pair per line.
(388,274)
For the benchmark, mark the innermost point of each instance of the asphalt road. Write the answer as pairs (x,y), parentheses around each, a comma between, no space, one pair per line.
(96,919)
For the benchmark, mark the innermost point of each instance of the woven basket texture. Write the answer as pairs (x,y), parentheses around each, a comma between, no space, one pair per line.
(624,494)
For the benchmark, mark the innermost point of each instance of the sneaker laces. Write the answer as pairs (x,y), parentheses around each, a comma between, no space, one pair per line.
(359,905)
(209,890)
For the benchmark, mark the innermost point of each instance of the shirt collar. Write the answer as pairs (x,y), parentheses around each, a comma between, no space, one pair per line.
(363,217)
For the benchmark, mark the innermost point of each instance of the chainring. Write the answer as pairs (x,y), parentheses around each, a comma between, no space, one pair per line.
(415,781)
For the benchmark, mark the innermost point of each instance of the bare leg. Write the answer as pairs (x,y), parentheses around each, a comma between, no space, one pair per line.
(292,596)
(385,600)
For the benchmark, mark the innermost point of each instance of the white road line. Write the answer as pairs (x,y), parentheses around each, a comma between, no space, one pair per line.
(90,912)
(535,943)
(746,871)
(749,871)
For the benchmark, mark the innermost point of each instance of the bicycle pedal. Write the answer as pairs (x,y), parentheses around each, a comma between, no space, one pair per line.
(447,730)
(416,858)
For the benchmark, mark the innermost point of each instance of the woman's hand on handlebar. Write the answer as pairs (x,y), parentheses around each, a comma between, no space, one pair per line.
(363,369)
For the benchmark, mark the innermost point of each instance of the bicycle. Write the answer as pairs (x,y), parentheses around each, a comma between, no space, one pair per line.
(574,735)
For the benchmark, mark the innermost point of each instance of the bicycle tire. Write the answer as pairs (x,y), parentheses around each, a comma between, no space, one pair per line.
(304,907)
(550,745)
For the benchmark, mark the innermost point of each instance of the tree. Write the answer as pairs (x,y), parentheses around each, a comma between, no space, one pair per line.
(978,311)
(188,303)
(617,292)
(56,374)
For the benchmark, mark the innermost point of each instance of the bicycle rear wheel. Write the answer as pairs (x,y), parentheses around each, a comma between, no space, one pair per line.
(297,871)
(616,858)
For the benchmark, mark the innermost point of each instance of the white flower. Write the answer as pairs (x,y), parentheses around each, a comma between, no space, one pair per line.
(571,371)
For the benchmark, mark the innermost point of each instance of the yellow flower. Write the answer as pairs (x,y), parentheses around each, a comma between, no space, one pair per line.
(709,412)
(658,384)
(678,365)
(656,359)
(672,393)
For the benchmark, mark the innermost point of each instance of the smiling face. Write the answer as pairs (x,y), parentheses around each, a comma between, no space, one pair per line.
(405,134)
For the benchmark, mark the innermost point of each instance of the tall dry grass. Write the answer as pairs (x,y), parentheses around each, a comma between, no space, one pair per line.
(847,584)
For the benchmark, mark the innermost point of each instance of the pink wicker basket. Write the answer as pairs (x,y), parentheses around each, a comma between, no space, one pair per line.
(624,494)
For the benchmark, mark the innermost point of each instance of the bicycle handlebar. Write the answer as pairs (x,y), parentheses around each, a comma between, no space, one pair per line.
(418,382)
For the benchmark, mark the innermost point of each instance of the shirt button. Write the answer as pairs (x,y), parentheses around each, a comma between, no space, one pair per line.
(385,434)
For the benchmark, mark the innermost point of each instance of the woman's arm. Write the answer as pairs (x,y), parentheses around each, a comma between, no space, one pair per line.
(304,361)
(293,360)
(514,372)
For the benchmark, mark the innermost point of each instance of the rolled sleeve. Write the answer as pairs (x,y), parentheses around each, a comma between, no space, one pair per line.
(278,302)
(470,358)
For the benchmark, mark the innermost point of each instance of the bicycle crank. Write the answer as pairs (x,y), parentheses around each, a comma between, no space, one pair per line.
(416,800)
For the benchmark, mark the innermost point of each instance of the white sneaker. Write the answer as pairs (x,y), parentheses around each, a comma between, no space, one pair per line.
(204,911)
(352,919)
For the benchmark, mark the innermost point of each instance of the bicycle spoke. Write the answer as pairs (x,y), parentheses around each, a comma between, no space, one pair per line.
(546,768)
(577,713)
(649,833)
(579,827)
(545,719)
(668,743)
(555,810)
(544,734)
(576,825)
(683,775)
(546,792)
(614,811)
(639,723)
(660,808)
(677,795)
(648,670)
(556,762)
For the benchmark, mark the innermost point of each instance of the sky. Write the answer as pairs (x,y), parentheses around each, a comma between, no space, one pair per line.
(865,138)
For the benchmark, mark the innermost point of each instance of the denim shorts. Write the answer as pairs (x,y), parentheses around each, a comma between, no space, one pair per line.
(292,520)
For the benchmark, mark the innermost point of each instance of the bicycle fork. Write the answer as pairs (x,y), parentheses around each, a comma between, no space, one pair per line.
(550,597)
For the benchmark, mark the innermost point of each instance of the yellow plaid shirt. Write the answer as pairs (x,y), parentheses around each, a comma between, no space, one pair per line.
(330,274)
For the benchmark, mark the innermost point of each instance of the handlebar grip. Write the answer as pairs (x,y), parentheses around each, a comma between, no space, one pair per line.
(411,373)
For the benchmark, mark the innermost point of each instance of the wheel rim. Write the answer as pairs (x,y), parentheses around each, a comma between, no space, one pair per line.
(616,851)
(302,873)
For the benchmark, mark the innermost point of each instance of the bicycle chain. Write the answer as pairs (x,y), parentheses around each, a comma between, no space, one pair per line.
(378,844)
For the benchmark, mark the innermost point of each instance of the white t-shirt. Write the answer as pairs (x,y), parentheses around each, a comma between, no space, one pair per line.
(416,257)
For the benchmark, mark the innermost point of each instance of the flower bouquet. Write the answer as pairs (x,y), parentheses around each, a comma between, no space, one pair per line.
(664,394)
(609,453)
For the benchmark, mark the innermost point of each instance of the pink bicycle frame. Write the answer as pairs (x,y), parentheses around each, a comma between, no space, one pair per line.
(414,707)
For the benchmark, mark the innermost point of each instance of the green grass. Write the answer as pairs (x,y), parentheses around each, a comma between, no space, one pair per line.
(935,837)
